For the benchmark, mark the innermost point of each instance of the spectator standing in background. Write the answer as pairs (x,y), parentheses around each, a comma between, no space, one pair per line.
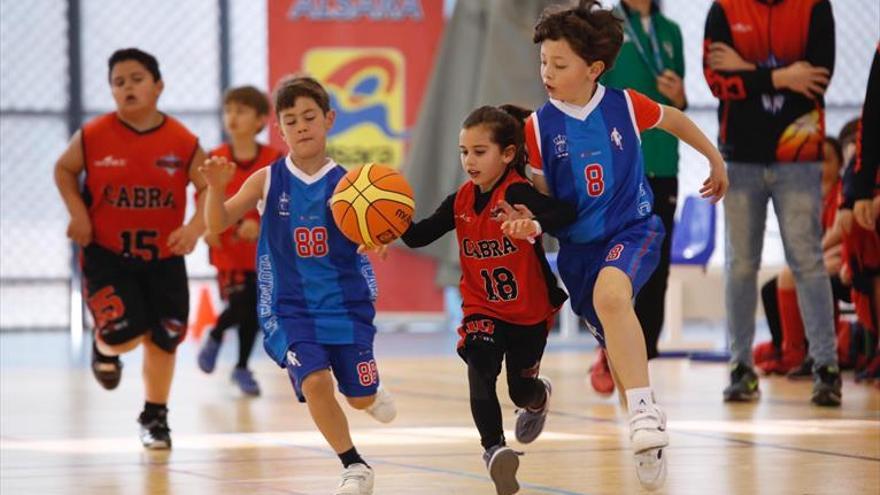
(769,63)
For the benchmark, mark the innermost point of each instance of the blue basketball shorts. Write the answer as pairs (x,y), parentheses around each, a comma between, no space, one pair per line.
(634,251)
(353,366)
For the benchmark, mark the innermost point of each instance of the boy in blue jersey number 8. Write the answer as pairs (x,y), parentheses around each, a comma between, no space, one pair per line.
(315,291)
(584,148)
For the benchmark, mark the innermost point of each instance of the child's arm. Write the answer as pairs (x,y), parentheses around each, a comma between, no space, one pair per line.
(219,215)
(70,164)
(547,214)
(679,125)
(183,239)
(430,229)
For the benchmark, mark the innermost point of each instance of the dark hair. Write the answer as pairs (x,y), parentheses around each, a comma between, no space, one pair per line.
(505,124)
(848,132)
(148,61)
(298,86)
(835,145)
(594,33)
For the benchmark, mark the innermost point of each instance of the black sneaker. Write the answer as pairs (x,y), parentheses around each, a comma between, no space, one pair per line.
(802,372)
(826,387)
(155,434)
(107,369)
(743,385)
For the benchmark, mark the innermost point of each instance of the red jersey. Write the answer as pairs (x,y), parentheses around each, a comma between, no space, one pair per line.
(135,184)
(235,253)
(501,277)
(829,205)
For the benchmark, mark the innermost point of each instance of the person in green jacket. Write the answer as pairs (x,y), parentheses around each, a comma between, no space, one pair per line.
(651,61)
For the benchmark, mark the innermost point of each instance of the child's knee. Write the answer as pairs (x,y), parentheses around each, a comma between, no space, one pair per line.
(611,303)
(361,403)
(117,349)
(483,366)
(317,385)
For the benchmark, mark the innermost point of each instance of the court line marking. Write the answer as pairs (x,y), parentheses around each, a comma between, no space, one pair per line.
(595,419)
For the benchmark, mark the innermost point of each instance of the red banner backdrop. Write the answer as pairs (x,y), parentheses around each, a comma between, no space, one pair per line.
(374,57)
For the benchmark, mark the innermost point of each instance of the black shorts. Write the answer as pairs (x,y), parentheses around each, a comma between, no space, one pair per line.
(234,282)
(520,343)
(130,297)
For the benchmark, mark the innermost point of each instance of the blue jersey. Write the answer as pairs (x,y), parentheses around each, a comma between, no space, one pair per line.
(591,157)
(312,285)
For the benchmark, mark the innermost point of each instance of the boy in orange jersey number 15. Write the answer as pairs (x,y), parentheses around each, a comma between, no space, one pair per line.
(129,220)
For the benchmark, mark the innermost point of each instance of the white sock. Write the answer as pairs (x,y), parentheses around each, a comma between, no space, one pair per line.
(639,399)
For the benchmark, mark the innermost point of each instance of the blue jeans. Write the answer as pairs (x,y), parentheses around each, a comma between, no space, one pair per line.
(795,189)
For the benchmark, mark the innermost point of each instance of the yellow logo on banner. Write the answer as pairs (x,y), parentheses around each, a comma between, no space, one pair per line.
(366,88)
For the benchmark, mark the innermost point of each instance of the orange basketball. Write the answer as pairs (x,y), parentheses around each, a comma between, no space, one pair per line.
(372,204)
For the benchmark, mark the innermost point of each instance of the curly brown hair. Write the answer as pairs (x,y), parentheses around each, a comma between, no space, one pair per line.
(594,33)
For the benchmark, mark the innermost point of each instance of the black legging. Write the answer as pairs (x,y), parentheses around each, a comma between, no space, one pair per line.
(522,347)
(241,311)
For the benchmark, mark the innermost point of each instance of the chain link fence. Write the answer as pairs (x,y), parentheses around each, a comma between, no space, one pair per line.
(38,84)
(40,89)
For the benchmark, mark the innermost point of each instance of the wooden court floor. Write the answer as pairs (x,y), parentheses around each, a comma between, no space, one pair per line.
(61,434)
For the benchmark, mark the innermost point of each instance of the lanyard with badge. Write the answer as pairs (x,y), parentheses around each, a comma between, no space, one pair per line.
(656,66)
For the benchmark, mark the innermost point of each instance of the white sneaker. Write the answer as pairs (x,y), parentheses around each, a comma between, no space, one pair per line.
(357,479)
(647,434)
(383,408)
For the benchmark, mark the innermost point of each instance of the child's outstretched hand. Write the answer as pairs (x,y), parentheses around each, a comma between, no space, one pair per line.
(715,187)
(504,212)
(217,171)
(521,228)
(380,250)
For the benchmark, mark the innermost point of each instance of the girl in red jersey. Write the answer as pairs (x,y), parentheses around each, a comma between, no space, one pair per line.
(129,219)
(508,291)
(234,252)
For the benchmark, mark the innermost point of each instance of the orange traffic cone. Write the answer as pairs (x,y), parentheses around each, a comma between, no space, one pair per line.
(206,316)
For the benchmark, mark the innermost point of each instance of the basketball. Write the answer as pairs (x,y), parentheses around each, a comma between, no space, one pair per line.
(372,204)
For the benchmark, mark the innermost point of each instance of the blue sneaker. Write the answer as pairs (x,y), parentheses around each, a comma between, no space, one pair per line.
(208,355)
(245,381)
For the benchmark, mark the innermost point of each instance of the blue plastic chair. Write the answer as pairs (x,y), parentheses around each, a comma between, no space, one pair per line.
(693,239)
(693,242)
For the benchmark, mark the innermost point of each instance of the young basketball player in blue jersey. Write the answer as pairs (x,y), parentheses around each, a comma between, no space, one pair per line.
(315,292)
(508,292)
(584,148)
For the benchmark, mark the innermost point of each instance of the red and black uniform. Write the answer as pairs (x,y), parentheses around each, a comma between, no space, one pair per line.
(866,180)
(135,191)
(758,123)
(861,247)
(509,294)
(235,260)
(235,256)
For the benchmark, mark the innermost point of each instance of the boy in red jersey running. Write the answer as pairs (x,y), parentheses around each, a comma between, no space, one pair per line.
(129,220)
(234,252)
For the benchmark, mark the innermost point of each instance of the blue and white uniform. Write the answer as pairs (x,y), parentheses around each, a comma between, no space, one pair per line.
(591,157)
(315,292)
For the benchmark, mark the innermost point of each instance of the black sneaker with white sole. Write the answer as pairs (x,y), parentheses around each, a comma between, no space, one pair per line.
(743,385)
(155,434)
